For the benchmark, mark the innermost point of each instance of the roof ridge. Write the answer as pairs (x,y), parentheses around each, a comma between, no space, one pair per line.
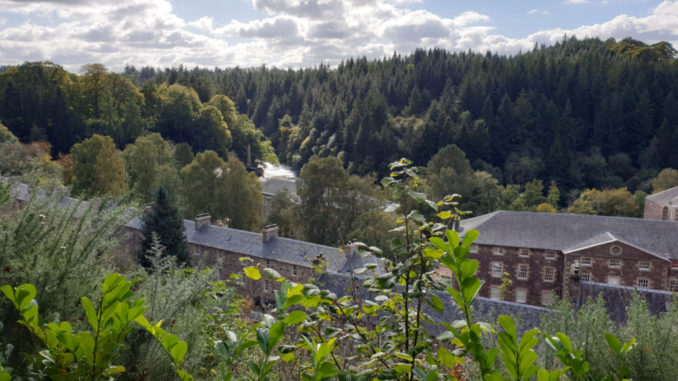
(652,196)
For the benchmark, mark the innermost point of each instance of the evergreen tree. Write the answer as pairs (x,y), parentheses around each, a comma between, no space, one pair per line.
(164,220)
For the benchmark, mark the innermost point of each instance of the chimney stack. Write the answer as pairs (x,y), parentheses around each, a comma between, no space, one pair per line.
(269,232)
(202,220)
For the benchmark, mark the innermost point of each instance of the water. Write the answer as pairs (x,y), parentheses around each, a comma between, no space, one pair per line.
(278,171)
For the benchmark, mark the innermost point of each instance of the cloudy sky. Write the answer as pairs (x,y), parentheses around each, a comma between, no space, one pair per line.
(300,33)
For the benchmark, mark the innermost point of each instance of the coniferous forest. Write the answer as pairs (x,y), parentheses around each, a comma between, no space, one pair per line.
(585,113)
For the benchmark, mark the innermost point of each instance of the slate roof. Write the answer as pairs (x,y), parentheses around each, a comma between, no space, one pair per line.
(566,231)
(665,197)
(248,243)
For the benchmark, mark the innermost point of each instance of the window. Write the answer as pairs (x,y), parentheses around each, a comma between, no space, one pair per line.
(644,266)
(673,285)
(674,265)
(546,297)
(294,270)
(665,213)
(586,277)
(614,263)
(523,271)
(524,252)
(616,250)
(550,254)
(265,286)
(495,292)
(474,248)
(643,283)
(613,280)
(586,261)
(268,263)
(549,274)
(196,251)
(498,250)
(497,269)
(521,295)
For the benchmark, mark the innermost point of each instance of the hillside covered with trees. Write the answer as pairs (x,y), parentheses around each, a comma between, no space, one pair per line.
(587,124)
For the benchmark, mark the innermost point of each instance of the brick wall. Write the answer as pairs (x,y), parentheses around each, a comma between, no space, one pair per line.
(529,285)
(627,267)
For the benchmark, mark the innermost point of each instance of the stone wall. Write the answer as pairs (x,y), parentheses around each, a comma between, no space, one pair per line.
(617,299)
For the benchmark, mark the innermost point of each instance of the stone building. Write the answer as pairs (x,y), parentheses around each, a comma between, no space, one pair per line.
(662,205)
(230,250)
(544,254)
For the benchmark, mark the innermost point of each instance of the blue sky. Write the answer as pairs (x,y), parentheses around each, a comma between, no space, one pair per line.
(301,33)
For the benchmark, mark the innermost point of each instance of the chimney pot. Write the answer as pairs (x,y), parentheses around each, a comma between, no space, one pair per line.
(201,220)
(269,232)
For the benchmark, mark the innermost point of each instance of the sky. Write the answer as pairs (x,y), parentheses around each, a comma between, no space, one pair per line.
(305,33)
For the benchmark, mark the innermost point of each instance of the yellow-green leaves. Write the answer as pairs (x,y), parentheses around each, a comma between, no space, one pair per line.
(252,273)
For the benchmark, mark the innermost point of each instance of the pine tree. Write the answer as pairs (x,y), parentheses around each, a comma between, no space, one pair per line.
(164,220)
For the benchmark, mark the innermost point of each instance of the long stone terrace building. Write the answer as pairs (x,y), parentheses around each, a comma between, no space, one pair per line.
(298,261)
(544,254)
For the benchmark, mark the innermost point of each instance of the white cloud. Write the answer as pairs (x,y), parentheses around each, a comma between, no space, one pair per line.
(292,33)
(537,11)
(204,23)
(576,1)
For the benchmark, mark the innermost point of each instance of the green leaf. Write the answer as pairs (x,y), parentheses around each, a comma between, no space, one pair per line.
(439,243)
(469,268)
(275,334)
(469,237)
(452,238)
(506,322)
(295,317)
(178,351)
(435,302)
(252,273)
(447,358)
(90,312)
(613,342)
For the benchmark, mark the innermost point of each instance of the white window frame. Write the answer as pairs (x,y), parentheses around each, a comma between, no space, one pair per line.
(643,283)
(617,283)
(586,277)
(673,285)
(521,295)
(498,250)
(546,297)
(644,265)
(615,266)
(495,292)
(494,269)
(473,248)
(524,252)
(552,270)
(551,254)
(519,272)
(586,261)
